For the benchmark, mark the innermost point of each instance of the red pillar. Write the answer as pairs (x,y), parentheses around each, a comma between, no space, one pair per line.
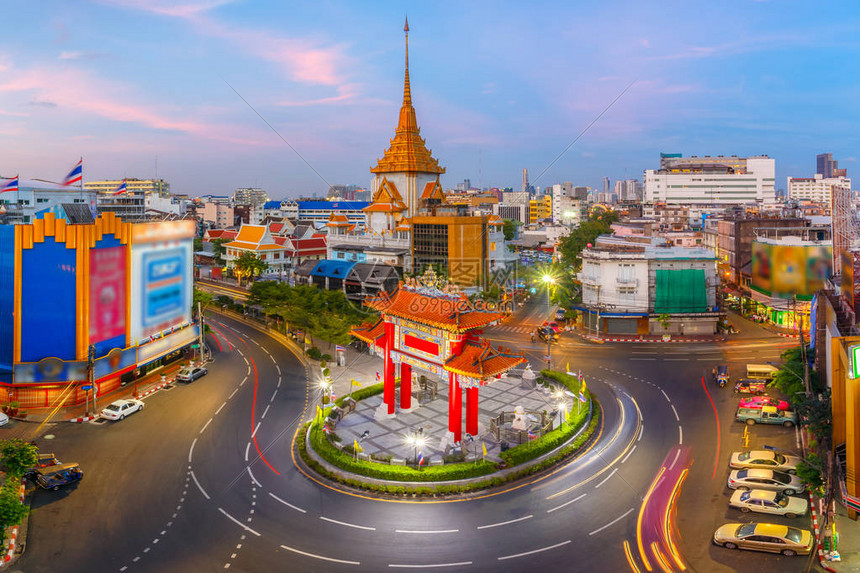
(388,388)
(472,410)
(455,407)
(405,386)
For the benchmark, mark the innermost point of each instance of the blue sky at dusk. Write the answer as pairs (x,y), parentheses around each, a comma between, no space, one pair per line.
(497,87)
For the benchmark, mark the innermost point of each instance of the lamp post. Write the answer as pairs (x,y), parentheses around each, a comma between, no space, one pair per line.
(548,280)
(416,440)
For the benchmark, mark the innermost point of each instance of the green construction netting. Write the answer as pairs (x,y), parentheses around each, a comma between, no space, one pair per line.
(681,291)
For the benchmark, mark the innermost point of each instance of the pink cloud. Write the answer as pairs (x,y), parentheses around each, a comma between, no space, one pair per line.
(81,91)
(344,93)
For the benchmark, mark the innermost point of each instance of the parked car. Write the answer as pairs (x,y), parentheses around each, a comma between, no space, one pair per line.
(773,502)
(750,386)
(762,401)
(765,479)
(764,537)
(4,419)
(766,415)
(190,374)
(559,314)
(764,459)
(52,477)
(121,408)
(761,371)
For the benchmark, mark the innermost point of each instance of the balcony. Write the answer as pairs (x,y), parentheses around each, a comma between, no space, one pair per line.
(627,281)
(589,280)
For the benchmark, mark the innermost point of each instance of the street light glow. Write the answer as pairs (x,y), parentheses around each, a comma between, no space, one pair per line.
(548,279)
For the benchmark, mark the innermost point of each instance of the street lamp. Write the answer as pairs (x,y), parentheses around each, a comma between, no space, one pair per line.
(417,441)
(548,280)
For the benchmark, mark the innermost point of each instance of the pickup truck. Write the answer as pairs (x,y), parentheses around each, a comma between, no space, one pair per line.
(766,415)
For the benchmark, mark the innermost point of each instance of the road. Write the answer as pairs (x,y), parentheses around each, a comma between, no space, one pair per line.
(203,478)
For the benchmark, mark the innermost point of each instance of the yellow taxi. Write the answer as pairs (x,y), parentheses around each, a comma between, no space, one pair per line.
(764,537)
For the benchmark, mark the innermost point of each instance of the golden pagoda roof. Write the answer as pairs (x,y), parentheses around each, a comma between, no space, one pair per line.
(407,151)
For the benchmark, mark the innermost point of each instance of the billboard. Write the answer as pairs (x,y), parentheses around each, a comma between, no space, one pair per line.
(785,271)
(107,294)
(161,279)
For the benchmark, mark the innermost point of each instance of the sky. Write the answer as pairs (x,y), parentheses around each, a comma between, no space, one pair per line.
(142,88)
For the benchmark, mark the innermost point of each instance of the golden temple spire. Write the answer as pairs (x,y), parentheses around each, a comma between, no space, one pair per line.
(407,152)
(407,92)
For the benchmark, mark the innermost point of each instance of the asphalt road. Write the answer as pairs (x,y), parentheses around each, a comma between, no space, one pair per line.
(203,478)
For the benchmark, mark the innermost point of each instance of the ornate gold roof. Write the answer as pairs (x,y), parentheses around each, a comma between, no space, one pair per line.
(408,151)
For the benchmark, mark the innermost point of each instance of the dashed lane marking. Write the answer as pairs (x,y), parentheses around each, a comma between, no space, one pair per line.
(606,479)
(324,558)
(206,425)
(614,521)
(426,531)
(191,450)
(234,393)
(428,566)
(677,419)
(534,551)
(237,522)
(680,435)
(247,449)
(254,433)
(665,395)
(565,504)
(505,522)
(624,459)
(266,411)
(218,411)
(347,524)
(290,505)
(200,487)
(253,479)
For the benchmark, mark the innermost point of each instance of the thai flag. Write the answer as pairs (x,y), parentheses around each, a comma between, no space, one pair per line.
(532,435)
(420,458)
(120,189)
(339,348)
(582,397)
(12,185)
(377,376)
(75,175)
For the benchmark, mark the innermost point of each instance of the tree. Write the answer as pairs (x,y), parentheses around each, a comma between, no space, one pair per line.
(18,456)
(509,228)
(816,415)
(789,379)
(198,244)
(203,297)
(218,250)
(12,511)
(587,232)
(249,265)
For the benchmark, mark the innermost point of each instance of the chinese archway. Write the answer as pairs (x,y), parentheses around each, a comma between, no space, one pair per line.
(433,327)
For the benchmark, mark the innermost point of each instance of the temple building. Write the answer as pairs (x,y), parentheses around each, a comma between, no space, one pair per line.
(408,212)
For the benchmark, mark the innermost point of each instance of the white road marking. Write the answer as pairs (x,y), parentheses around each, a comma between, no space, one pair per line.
(266,411)
(677,454)
(505,522)
(641,431)
(426,531)
(566,503)
(433,565)
(290,505)
(535,551)
(206,425)
(279,382)
(200,487)
(665,395)
(347,524)
(320,556)
(249,370)
(191,450)
(677,419)
(245,359)
(218,411)
(643,359)
(680,435)
(254,433)
(676,359)
(275,393)
(247,449)
(253,479)
(604,480)
(624,459)
(278,369)
(614,521)
(242,383)
(234,393)
(237,522)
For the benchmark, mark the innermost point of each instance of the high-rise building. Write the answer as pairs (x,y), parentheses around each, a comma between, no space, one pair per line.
(628,190)
(818,189)
(606,184)
(828,167)
(711,180)
(525,179)
(250,196)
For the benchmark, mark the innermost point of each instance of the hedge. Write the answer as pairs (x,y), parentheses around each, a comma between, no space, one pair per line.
(12,511)
(446,489)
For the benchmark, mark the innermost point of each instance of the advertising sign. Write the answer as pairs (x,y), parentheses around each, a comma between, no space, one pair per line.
(116,360)
(161,284)
(790,270)
(107,293)
(170,342)
(50,370)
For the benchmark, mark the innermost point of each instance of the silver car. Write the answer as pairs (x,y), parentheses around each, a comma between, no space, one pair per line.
(764,460)
(765,479)
(772,502)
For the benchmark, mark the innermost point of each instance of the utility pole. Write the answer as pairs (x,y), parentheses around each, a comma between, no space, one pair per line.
(91,355)
(200,322)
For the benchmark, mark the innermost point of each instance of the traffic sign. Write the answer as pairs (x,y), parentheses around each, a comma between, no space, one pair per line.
(195,346)
(87,387)
(854,358)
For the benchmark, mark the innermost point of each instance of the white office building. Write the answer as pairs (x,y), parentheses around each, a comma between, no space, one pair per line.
(818,189)
(712,180)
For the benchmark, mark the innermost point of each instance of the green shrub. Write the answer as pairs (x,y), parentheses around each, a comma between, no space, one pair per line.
(12,511)
(18,456)
(314,353)
(326,357)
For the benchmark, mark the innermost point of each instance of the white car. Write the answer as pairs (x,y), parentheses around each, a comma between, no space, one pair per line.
(772,502)
(765,479)
(121,408)
(764,460)
(4,419)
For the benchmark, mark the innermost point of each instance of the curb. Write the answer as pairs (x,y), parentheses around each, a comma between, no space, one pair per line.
(13,538)
(82,419)
(647,341)
(821,559)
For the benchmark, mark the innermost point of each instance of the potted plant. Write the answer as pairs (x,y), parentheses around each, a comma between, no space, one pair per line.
(665,320)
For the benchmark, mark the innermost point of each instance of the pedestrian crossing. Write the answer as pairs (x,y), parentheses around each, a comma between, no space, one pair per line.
(518,329)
